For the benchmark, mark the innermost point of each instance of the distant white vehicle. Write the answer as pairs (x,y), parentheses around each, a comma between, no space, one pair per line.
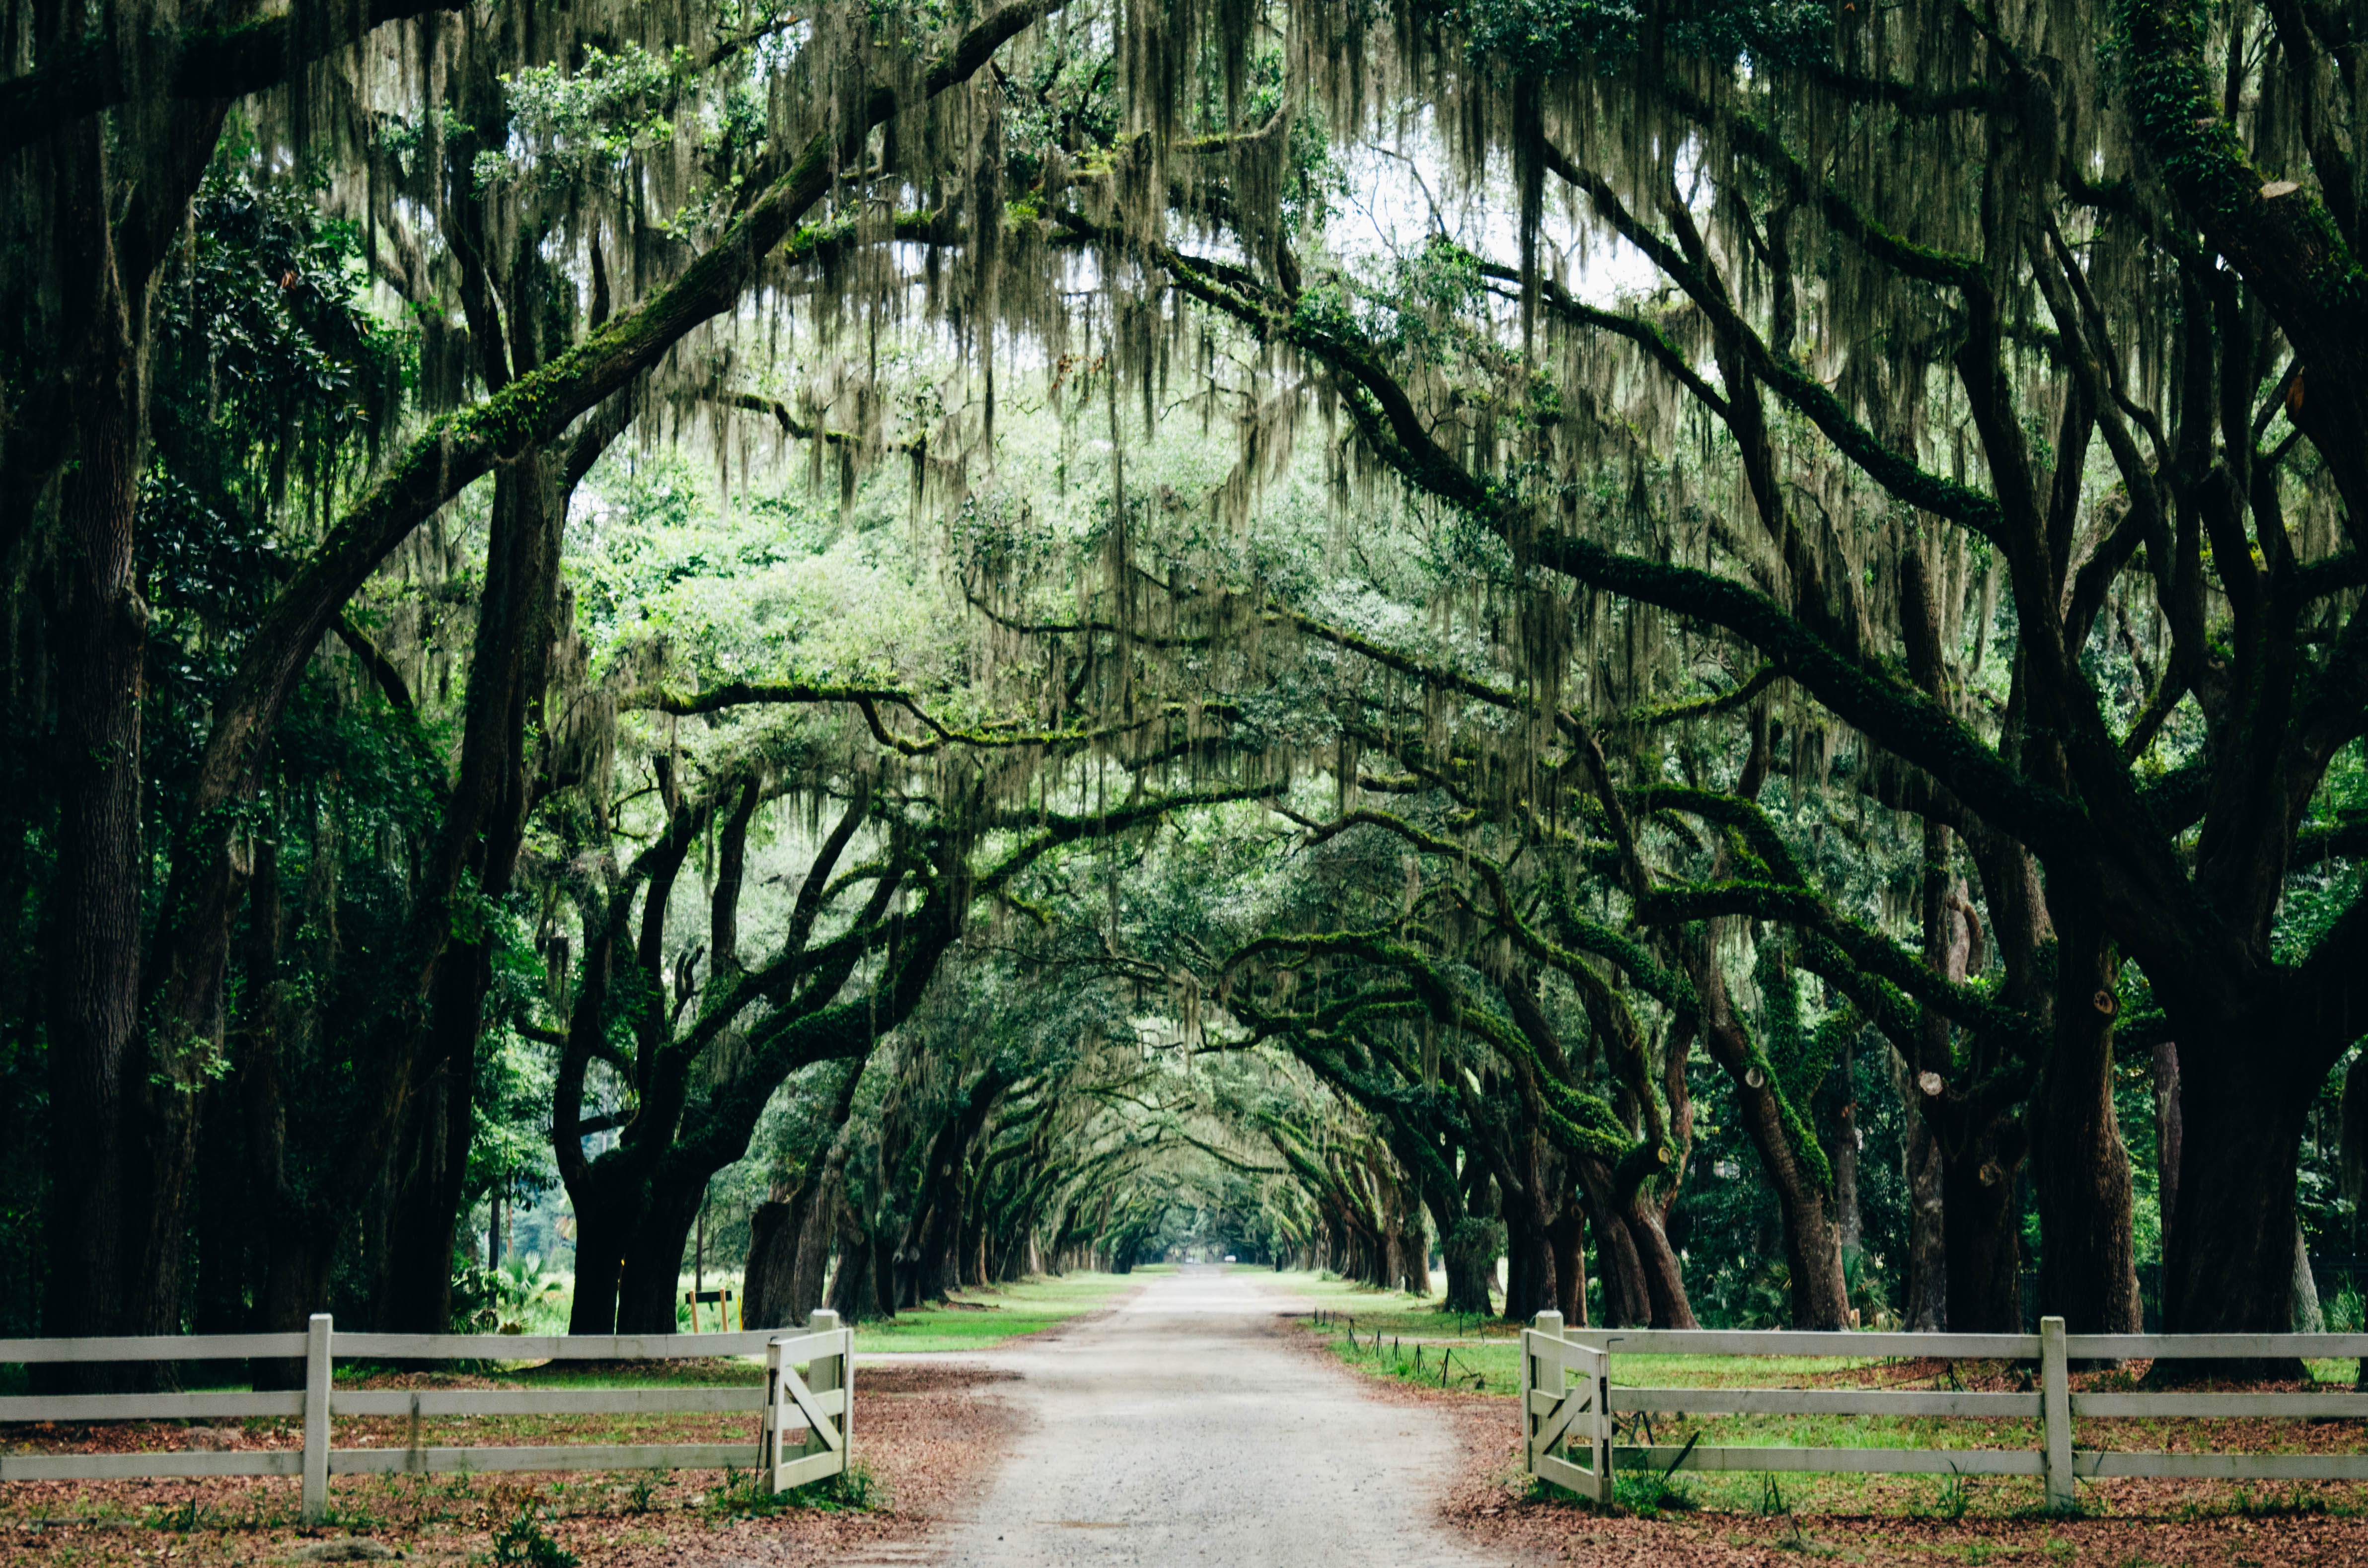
(1229,1257)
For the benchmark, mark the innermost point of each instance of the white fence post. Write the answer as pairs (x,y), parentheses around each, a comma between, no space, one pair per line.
(841,1374)
(2056,1415)
(769,1439)
(1599,1362)
(1537,1374)
(790,1401)
(317,1418)
(1551,1411)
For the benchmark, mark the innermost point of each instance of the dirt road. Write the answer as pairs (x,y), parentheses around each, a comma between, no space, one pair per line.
(1180,1429)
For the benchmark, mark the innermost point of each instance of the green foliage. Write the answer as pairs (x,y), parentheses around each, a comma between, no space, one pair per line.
(1652,1493)
(571,125)
(527,1543)
(750,1495)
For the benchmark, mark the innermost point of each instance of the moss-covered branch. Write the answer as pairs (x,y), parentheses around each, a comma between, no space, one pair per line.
(95,75)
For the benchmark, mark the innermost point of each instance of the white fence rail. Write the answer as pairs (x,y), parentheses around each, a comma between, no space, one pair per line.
(820,1401)
(1570,1404)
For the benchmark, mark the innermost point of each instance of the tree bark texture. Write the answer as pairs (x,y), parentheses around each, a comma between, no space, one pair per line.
(100,643)
(769,1280)
(2087,1254)
(2229,1263)
(1984,1229)
(1812,1256)
(1925,1308)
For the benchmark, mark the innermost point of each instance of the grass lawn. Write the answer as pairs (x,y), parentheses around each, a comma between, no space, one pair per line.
(985,1318)
(1416,1337)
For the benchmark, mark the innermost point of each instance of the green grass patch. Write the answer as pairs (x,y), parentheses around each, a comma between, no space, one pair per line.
(750,1495)
(718,1372)
(983,1319)
(1419,1342)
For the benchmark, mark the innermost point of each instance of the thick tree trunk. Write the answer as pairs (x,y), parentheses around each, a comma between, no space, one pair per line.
(604,1234)
(2230,1265)
(1813,1253)
(1627,1299)
(2087,1269)
(431,1165)
(931,1251)
(1469,1254)
(1849,1223)
(769,1283)
(888,1280)
(1984,1229)
(1528,1253)
(100,632)
(855,1288)
(932,1263)
(1657,1266)
(824,1202)
(295,1285)
(651,1282)
(1568,1236)
(224,1270)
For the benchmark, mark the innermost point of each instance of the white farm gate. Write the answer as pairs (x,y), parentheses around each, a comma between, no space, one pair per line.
(820,1403)
(1570,1404)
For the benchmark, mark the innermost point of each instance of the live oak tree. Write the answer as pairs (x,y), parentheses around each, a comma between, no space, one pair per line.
(1836,542)
(135,103)
(2071,375)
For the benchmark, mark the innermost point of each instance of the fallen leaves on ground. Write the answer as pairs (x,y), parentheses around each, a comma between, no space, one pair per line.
(2127,1523)
(922,1431)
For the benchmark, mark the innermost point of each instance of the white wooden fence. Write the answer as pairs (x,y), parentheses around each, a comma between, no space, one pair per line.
(1568,1404)
(821,1401)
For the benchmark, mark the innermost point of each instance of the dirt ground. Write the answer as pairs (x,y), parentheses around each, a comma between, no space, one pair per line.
(924,1432)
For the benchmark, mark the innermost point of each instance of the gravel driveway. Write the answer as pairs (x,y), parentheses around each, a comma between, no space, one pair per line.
(1179,1429)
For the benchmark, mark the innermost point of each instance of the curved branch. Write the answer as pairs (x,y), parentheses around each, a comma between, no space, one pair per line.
(197,63)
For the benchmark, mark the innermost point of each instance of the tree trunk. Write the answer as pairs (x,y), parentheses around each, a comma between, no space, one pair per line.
(1529,1255)
(603,1236)
(2167,1140)
(937,1227)
(1849,1223)
(1469,1254)
(1926,1309)
(1813,1253)
(484,828)
(769,1284)
(224,1268)
(295,1286)
(431,1165)
(854,1290)
(1984,1228)
(1568,1236)
(1657,1266)
(2229,1268)
(2307,1318)
(1627,1301)
(100,632)
(813,1244)
(649,1289)
(2087,1259)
